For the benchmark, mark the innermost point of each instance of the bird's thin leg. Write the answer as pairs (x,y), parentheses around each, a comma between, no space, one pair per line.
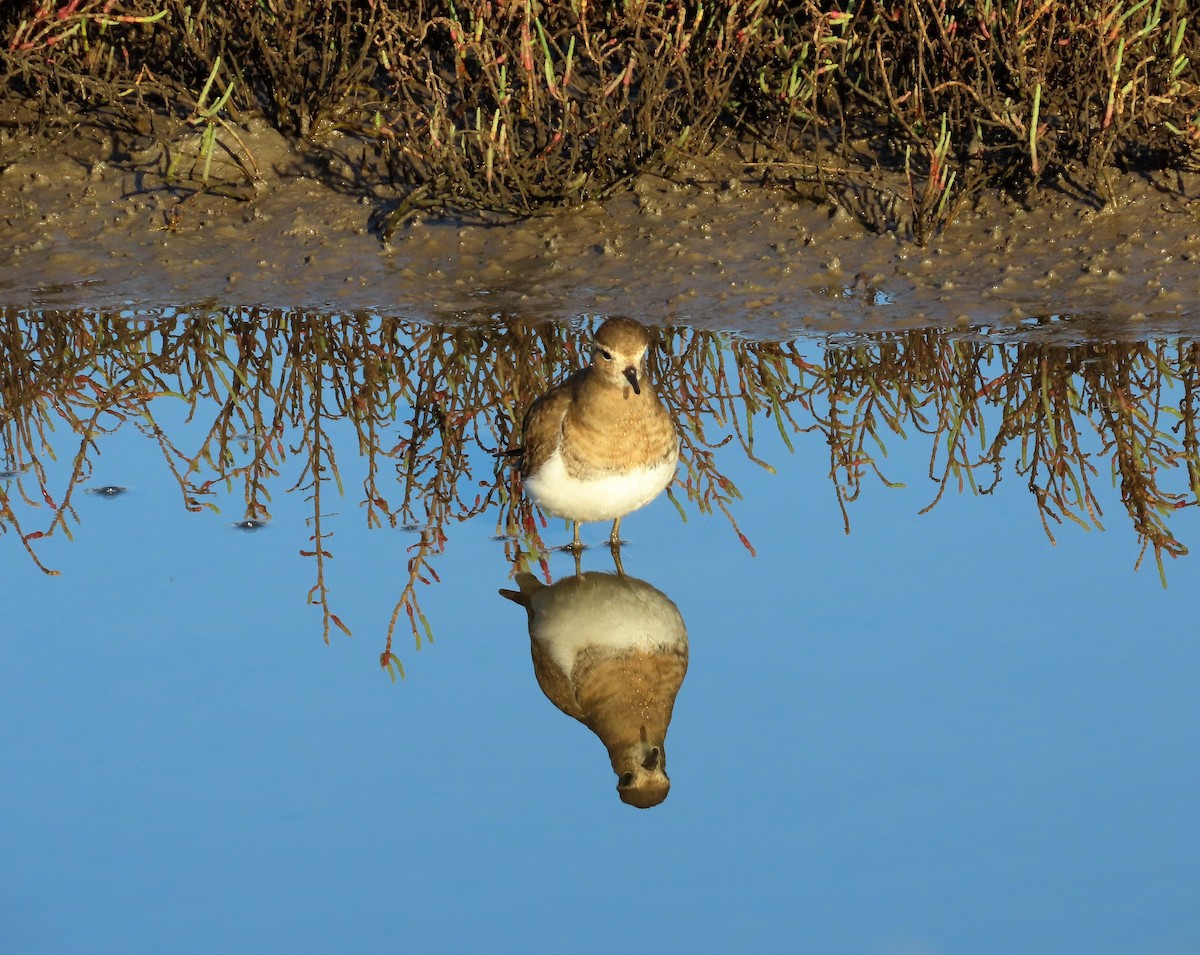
(578,564)
(575,545)
(615,537)
(616,554)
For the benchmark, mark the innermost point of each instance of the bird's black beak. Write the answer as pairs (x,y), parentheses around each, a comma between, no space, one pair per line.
(631,374)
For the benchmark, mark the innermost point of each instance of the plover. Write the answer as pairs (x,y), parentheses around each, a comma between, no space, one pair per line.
(611,651)
(600,444)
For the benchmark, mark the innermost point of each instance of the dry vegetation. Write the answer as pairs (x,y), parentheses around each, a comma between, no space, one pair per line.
(523,106)
(429,407)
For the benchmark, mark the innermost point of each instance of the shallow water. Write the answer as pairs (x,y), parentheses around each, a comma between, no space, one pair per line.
(939,732)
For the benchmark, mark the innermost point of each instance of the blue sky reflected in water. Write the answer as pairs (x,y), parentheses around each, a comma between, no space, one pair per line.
(939,734)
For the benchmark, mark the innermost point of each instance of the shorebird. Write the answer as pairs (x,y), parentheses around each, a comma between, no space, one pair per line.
(611,651)
(600,444)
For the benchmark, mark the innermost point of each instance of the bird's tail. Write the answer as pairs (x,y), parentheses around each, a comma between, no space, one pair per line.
(529,585)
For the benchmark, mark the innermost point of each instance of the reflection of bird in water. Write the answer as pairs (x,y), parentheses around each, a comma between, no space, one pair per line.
(611,651)
(601,444)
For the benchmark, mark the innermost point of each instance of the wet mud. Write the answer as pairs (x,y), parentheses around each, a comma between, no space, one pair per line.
(90,221)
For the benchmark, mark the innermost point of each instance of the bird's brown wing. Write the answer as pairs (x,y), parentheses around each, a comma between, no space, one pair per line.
(554,683)
(543,425)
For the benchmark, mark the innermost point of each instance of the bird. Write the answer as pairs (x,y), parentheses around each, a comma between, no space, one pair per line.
(611,651)
(600,444)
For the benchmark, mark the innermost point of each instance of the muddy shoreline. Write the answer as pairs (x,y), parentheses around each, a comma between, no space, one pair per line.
(91,222)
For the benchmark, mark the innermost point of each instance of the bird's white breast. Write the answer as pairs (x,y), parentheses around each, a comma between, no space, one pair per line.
(606,498)
(613,614)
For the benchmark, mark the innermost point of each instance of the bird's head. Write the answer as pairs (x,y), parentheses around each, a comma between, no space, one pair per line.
(619,353)
(642,775)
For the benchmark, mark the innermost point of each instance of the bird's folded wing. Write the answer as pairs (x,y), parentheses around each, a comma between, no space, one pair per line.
(543,425)
(554,683)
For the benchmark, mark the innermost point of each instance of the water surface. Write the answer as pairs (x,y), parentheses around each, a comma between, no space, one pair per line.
(939,732)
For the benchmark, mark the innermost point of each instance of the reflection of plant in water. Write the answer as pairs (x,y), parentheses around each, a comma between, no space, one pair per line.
(437,405)
(1046,396)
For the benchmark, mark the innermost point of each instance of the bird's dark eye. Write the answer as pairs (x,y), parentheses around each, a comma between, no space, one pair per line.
(607,356)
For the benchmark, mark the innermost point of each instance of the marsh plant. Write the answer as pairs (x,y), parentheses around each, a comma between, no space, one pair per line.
(524,106)
(276,401)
